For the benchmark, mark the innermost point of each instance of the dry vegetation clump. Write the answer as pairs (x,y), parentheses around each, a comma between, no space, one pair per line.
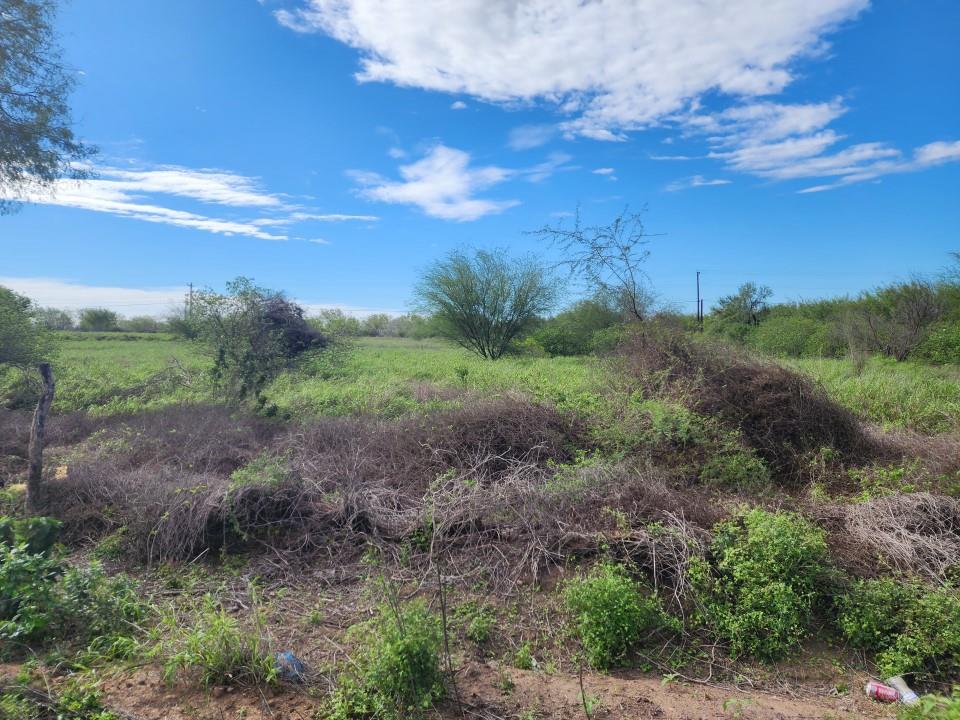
(497,489)
(783,415)
(909,533)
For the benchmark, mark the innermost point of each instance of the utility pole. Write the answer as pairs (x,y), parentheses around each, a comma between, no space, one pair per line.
(699,305)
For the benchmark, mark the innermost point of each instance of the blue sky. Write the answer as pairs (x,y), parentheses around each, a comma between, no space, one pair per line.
(333,148)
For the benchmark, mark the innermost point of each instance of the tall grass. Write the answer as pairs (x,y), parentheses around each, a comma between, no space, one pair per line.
(894,394)
(392,376)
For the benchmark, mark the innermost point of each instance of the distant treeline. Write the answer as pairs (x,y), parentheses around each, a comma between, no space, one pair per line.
(916,319)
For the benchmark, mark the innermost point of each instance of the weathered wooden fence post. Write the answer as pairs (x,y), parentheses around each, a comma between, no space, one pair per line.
(36,490)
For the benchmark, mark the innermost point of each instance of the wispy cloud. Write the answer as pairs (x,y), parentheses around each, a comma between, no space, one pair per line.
(604,171)
(527,137)
(443,184)
(219,198)
(695,181)
(793,141)
(555,162)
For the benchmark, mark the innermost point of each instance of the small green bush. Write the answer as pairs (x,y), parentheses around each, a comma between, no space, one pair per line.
(477,621)
(265,469)
(932,707)
(872,612)
(741,470)
(768,573)
(38,534)
(41,600)
(611,615)
(929,644)
(217,649)
(396,672)
(941,346)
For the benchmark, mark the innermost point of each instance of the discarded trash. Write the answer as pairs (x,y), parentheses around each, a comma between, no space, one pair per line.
(907,696)
(881,692)
(290,667)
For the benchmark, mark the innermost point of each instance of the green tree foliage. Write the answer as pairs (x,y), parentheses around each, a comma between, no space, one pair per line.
(37,144)
(253,334)
(894,320)
(337,323)
(55,318)
(572,332)
(98,320)
(376,325)
(734,315)
(486,300)
(23,340)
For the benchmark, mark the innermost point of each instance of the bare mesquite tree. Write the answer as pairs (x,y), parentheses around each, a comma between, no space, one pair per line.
(37,144)
(610,259)
(894,320)
(485,300)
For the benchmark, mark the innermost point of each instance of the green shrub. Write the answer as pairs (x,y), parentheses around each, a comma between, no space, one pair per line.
(941,345)
(767,577)
(932,707)
(523,657)
(396,671)
(872,612)
(217,649)
(38,534)
(265,469)
(611,615)
(792,336)
(40,600)
(477,621)
(27,588)
(929,644)
(741,470)
(75,700)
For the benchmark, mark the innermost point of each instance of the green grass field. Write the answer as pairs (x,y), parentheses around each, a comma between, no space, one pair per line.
(110,373)
(905,395)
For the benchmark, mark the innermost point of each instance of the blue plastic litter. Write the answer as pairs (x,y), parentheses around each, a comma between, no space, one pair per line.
(290,667)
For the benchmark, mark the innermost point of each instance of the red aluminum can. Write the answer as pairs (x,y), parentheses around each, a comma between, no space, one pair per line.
(881,692)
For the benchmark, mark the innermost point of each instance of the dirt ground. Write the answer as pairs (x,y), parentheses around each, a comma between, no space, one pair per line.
(489,691)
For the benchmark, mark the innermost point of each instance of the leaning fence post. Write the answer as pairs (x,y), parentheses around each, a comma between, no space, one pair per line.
(36,490)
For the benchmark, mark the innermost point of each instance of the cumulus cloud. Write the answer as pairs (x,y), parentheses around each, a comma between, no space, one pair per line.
(695,181)
(443,184)
(146,195)
(610,66)
(458,105)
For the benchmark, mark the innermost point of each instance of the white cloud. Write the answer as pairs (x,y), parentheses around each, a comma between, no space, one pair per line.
(146,195)
(526,137)
(789,142)
(154,301)
(695,181)
(541,171)
(604,171)
(442,184)
(397,153)
(458,105)
(610,66)
(52,292)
